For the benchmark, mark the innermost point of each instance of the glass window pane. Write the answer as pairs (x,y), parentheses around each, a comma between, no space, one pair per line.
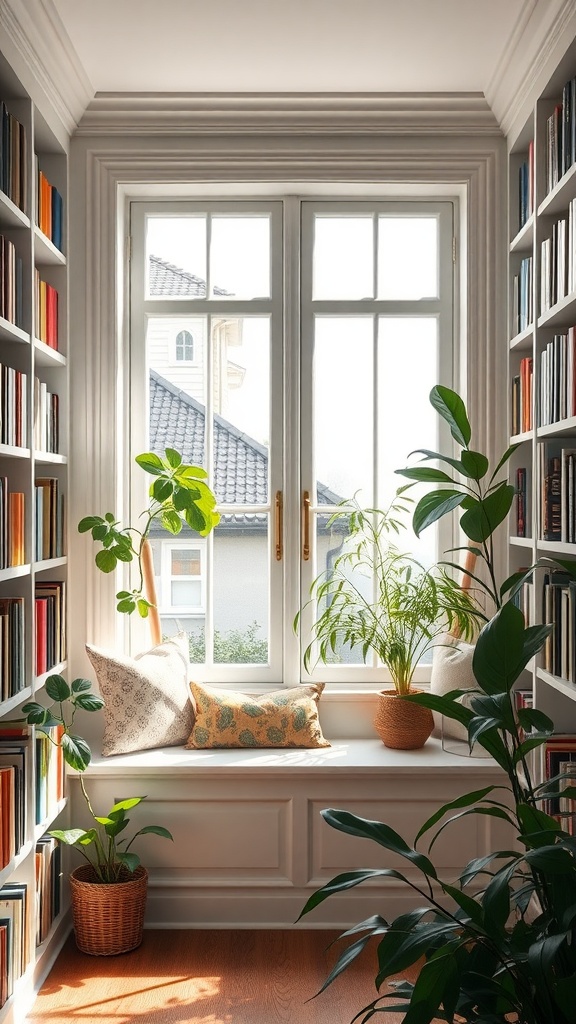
(176,257)
(241,590)
(177,388)
(332,542)
(241,358)
(407,257)
(343,262)
(240,257)
(185,562)
(407,371)
(343,425)
(186,593)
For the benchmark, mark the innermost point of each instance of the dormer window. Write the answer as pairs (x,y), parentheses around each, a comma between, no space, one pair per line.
(184,347)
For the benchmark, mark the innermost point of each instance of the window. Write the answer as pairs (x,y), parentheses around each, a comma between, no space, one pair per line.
(322,326)
(184,347)
(182,582)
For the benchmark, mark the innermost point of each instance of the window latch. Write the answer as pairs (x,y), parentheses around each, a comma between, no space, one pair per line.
(306,525)
(279,524)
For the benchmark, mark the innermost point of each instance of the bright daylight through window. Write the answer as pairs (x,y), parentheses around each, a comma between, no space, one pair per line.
(288,347)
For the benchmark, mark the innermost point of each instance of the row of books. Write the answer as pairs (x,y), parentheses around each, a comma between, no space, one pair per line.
(13,406)
(561,136)
(522,401)
(13,158)
(11,271)
(49,519)
(522,300)
(522,504)
(14,942)
(559,609)
(558,261)
(12,660)
(526,187)
(12,526)
(558,491)
(46,418)
(557,386)
(49,209)
(557,757)
(46,306)
(50,624)
(48,866)
(15,754)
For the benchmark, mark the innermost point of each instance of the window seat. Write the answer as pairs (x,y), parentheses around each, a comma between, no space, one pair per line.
(345,757)
(250,843)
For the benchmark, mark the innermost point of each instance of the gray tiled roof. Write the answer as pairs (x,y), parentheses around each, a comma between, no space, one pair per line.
(168,280)
(240,463)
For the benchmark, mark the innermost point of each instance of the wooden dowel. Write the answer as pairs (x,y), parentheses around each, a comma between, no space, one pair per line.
(150,593)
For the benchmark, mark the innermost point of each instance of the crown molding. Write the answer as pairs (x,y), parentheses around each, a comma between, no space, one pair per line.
(46,60)
(162,114)
(540,37)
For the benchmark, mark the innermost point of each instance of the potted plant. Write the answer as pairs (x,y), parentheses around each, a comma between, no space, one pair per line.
(179,496)
(109,890)
(377,598)
(497,943)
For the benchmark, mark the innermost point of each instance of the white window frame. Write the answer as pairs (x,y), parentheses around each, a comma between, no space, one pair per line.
(167,577)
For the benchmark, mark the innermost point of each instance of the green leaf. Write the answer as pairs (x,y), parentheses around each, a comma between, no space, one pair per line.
(504,459)
(173,458)
(71,836)
(80,685)
(106,561)
(144,607)
(451,408)
(150,463)
(88,523)
(126,605)
(532,718)
(380,833)
(156,830)
(475,464)
(461,801)
(425,474)
(498,654)
(89,701)
(481,519)
(535,824)
(171,521)
(343,882)
(129,860)
(162,489)
(126,805)
(76,752)
(434,506)
(471,908)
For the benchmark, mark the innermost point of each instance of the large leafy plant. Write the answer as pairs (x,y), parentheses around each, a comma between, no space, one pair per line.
(179,496)
(375,597)
(498,943)
(105,845)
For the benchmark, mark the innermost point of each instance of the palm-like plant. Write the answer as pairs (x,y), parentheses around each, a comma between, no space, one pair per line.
(499,941)
(377,598)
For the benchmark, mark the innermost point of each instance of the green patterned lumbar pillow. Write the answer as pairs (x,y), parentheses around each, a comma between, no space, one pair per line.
(283,718)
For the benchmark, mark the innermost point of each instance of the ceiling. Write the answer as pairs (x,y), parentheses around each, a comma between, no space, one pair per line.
(291,45)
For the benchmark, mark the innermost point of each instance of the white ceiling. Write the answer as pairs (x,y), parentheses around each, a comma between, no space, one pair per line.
(291,45)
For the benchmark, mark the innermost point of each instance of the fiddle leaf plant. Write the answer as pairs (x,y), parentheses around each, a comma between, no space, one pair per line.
(496,944)
(179,496)
(103,846)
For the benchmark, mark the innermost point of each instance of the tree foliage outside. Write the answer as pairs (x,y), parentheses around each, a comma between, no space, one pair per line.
(235,647)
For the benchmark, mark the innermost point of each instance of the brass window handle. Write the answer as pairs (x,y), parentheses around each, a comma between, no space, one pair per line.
(306,525)
(279,524)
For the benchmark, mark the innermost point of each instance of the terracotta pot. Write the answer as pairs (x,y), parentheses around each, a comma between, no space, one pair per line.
(108,918)
(400,724)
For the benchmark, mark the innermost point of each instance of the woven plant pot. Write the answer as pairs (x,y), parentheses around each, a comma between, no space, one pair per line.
(108,918)
(401,725)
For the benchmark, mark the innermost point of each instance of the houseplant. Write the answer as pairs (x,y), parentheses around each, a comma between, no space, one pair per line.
(179,495)
(109,891)
(377,598)
(497,943)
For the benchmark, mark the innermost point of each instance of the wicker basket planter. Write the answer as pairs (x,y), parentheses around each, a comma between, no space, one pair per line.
(400,725)
(108,919)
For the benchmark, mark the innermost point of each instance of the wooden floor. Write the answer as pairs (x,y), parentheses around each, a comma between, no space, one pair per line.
(208,977)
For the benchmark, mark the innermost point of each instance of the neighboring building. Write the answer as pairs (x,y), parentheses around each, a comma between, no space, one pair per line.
(240,542)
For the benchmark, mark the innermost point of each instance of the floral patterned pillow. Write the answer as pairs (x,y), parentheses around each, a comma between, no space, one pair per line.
(147,699)
(282,718)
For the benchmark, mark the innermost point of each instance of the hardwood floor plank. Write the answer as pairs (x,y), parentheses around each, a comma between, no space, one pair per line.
(208,977)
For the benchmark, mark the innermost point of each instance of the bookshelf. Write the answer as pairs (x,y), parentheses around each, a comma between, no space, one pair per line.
(33,562)
(542,377)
